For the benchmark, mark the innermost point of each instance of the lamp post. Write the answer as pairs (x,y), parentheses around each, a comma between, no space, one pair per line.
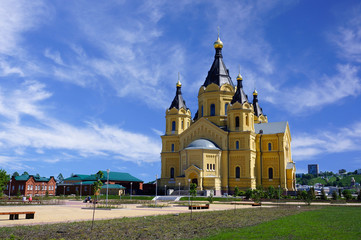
(189,191)
(131,190)
(107,186)
(179,189)
(10,189)
(165,190)
(156,189)
(81,185)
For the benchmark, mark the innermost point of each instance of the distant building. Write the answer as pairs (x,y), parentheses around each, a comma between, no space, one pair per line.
(358,171)
(29,185)
(313,169)
(119,183)
(342,171)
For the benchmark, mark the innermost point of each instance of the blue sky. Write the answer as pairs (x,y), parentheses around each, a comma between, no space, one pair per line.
(84,85)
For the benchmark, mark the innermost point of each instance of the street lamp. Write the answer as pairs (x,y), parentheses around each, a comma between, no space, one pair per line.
(10,189)
(156,189)
(179,189)
(165,190)
(107,186)
(81,184)
(131,190)
(189,191)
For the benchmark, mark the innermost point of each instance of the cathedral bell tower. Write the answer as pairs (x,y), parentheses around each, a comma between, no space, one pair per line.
(178,116)
(240,113)
(217,90)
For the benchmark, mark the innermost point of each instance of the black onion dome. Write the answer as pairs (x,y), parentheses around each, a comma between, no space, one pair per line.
(239,96)
(178,101)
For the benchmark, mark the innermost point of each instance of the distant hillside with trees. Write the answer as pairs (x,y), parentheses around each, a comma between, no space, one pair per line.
(329,179)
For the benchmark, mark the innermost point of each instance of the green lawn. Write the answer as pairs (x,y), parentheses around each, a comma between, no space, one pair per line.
(325,223)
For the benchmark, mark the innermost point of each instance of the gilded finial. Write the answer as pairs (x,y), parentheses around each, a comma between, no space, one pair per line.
(239,77)
(179,84)
(255,93)
(218,43)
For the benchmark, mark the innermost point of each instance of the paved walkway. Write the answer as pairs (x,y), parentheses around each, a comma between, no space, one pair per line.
(73,211)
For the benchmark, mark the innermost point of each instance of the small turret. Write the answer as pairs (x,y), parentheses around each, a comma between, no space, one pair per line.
(239,96)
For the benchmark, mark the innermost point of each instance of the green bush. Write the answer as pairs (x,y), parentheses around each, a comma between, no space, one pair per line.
(248,193)
(347,194)
(334,195)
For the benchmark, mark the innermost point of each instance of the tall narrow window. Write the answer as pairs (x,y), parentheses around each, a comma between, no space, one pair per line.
(202,111)
(173,126)
(213,109)
(238,172)
(269,146)
(172,147)
(237,144)
(182,124)
(225,108)
(270,173)
(237,122)
(207,166)
(247,122)
(171,172)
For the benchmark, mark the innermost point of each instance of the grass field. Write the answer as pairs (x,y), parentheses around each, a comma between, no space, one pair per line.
(325,223)
(157,227)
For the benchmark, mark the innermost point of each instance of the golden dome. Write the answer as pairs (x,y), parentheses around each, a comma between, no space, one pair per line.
(239,77)
(179,84)
(255,93)
(218,43)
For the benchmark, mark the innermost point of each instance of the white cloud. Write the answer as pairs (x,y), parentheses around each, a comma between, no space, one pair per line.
(323,91)
(55,56)
(348,39)
(93,139)
(307,146)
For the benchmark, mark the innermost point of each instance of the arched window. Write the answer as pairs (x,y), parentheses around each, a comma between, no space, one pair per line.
(173,126)
(247,122)
(225,108)
(172,147)
(213,109)
(171,172)
(202,111)
(237,122)
(237,144)
(269,146)
(238,172)
(270,173)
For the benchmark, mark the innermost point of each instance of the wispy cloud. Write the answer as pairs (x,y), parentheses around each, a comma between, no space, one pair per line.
(348,38)
(324,90)
(307,146)
(49,134)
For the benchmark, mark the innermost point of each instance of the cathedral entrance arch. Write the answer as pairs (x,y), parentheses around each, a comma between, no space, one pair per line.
(194,178)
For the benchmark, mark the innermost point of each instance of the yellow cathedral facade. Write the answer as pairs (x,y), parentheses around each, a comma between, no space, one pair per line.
(228,143)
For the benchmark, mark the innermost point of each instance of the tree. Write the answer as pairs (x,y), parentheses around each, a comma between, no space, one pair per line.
(347,194)
(37,175)
(97,185)
(60,178)
(4,179)
(359,195)
(248,193)
(256,195)
(334,195)
(193,193)
(323,195)
(236,191)
(15,174)
(25,173)
(271,192)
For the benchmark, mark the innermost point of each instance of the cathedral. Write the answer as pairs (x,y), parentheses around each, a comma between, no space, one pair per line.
(229,142)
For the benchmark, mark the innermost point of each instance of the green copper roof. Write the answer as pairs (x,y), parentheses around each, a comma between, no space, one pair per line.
(85,183)
(113,176)
(120,176)
(26,177)
(113,186)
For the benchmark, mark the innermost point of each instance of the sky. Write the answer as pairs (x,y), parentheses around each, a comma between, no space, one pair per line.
(84,85)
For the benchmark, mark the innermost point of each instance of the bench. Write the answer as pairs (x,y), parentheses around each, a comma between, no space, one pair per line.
(199,206)
(15,215)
